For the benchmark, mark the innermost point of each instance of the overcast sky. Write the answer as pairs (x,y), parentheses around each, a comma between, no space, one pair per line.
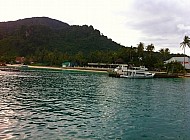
(163,23)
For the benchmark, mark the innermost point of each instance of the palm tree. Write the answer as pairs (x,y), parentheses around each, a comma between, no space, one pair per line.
(186,42)
(164,52)
(140,48)
(150,49)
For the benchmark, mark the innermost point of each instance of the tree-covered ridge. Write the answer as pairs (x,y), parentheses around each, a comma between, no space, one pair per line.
(9,26)
(28,37)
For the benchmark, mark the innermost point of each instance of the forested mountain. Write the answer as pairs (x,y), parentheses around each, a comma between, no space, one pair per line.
(41,37)
(45,21)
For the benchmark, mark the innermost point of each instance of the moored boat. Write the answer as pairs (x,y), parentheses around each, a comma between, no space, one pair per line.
(133,72)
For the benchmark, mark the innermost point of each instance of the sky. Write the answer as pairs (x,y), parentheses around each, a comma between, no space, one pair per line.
(164,23)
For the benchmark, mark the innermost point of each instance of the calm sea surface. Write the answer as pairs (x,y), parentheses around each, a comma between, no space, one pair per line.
(80,105)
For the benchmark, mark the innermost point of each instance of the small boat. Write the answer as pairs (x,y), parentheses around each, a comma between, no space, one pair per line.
(24,66)
(133,72)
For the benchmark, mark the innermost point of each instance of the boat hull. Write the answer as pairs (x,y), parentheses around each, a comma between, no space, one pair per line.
(137,77)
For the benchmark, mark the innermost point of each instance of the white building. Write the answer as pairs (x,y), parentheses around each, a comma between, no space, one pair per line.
(180,60)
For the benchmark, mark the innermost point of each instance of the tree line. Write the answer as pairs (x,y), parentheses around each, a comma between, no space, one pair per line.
(137,56)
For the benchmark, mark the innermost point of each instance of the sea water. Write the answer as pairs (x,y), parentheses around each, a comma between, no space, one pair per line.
(45,104)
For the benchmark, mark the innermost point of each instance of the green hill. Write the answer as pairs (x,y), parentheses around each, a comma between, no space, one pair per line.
(41,36)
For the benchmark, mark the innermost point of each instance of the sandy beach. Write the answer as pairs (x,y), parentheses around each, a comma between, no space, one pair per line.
(87,69)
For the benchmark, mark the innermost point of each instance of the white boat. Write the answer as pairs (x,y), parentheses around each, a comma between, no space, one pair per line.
(133,72)
(24,66)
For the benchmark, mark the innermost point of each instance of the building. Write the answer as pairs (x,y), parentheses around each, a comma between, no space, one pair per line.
(180,60)
(2,64)
(66,64)
(20,60)
(104,65)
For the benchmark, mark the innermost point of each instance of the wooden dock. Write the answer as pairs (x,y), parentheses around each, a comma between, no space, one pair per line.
(165,75)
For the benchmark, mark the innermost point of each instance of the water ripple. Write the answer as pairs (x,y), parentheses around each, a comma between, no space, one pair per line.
(76,105)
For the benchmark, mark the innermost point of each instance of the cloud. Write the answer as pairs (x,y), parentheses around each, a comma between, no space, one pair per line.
(183,27)
(161,22)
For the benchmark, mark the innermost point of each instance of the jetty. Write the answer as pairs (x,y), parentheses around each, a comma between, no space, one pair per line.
(157,74)
(166,75)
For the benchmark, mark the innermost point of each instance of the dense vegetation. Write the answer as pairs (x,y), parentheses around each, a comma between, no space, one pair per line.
(50,42)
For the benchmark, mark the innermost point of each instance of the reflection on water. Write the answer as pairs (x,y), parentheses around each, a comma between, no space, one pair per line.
(76,105)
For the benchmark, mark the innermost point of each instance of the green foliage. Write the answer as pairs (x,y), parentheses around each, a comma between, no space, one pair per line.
(186,42)
(165,53)
(150,48)
(174,67)
(49,41)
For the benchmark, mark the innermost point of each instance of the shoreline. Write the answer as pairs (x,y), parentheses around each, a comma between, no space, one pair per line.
(80,69)
(86,69)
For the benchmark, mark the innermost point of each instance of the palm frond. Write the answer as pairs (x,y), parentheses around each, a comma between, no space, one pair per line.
(182,45)
(186,42)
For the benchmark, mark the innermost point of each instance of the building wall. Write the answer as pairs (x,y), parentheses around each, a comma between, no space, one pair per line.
(180,60)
